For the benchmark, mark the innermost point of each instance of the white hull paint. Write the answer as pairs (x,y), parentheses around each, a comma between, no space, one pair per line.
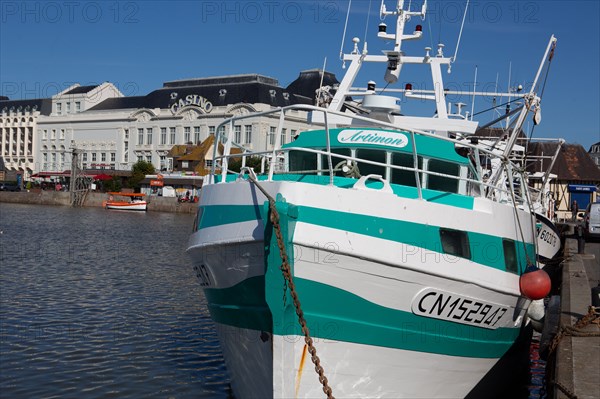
(264,366)
(139,206)
(382,272)
(548,238)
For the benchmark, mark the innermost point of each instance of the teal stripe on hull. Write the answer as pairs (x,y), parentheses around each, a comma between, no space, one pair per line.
(486,249)
(335,314)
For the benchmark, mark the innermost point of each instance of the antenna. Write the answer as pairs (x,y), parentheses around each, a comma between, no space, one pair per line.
(345,27)
(367,24)
(462,25)
(473,100)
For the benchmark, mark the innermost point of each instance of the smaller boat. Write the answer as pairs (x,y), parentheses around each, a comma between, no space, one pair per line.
(126,201)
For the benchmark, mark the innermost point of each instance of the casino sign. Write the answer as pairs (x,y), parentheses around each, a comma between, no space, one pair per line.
(192,99)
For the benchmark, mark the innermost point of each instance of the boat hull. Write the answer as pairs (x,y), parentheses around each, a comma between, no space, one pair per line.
(127,206)
(548,238)
(369,302)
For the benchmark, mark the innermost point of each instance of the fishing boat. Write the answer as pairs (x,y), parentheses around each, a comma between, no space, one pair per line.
(126,201)
(376,255)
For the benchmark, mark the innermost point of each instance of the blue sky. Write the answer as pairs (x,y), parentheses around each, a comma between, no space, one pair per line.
(47,45)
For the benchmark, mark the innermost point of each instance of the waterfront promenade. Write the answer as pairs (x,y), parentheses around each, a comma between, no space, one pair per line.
(576,371)
(93,199)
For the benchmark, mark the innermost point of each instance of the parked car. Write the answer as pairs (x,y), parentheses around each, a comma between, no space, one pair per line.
(592,221)
(9,187)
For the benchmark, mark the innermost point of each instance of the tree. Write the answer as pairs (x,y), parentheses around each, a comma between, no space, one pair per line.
(139,170)
(254,162)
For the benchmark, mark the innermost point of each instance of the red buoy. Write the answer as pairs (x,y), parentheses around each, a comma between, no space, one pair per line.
(535,284)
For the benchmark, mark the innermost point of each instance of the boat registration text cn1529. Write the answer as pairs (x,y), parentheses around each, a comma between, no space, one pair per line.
(458,309)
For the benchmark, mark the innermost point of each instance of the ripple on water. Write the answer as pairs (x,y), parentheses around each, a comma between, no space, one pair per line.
(101,304)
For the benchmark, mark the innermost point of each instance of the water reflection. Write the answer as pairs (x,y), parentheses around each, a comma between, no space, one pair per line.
(97,303)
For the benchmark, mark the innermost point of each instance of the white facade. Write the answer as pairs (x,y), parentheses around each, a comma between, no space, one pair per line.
(27,147)
(116,139)
(17,138)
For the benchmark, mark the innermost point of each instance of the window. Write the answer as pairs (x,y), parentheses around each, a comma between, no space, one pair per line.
(140,158)
(77,106)
(84,157)
(196,134)
(208,163)
(113,157)
(126,146)
(211,130)
(126,134)
(103,157)
(455,242)
(237,134)
(149,135)
(45,134)
(184,164)
(371,155)
(186,134)
(441,183)
(126,157)
(303,161)
(62,134)
(163,135)
(172,134)
(68,107)
(405,177)
(93,157)
(46,157)
(163,162)
(272,131)
(53,134)
(248,131)
(283,134)
(54,158)
(293,134)
(149,158)
(59,108)
(510,255)
(140,136)
(335,160)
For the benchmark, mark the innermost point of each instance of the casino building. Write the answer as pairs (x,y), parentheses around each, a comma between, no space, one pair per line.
(118,131)
(27,145)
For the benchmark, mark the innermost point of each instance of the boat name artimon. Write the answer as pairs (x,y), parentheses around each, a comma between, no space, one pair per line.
(192,99)
(392,139)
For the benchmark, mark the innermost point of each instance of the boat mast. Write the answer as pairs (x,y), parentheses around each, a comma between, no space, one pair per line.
(393,58)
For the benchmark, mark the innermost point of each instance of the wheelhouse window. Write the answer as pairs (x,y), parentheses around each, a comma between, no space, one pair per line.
(405,177)
(441,183)
(335,161)
(510,255)
(455,242)
(302,161)
(371,155)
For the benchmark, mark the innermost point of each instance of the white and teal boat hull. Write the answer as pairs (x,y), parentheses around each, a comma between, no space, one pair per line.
(391,313)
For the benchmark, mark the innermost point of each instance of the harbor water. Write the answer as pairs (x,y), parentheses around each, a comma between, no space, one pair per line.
(102,304)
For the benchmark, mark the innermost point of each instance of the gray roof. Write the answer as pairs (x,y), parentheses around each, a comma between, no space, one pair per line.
(43,105)
(226,90)
(81,90)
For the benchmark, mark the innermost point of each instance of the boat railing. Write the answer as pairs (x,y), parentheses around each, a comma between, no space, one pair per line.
(495,190)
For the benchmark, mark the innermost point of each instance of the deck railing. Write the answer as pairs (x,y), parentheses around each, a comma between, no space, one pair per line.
(499,186)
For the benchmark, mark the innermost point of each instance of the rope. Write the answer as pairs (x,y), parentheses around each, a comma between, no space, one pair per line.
(592,317)
(289,280)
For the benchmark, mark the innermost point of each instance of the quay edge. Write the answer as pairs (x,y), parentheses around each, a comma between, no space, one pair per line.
(575,366)
(62,198)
